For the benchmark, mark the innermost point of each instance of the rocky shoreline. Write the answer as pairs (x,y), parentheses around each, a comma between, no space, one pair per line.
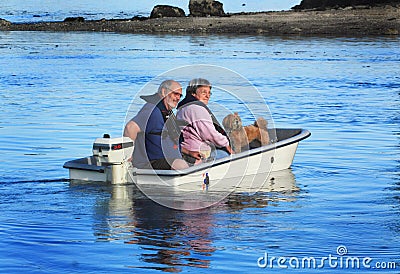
(354,21)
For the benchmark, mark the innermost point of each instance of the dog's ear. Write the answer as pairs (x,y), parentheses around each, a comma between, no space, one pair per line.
(235,113)
(226,121)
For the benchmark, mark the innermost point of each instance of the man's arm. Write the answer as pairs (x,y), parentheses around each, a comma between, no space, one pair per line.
(131,130)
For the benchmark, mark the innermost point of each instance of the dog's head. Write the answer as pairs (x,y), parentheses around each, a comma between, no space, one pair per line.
(232,122)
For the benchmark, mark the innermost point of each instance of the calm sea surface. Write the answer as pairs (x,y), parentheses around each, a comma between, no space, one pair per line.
(60,91)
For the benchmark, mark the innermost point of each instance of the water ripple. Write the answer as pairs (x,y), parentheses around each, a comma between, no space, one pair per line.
(63,90)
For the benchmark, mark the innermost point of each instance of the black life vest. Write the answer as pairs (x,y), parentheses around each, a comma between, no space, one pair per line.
(172,124)
(190,99)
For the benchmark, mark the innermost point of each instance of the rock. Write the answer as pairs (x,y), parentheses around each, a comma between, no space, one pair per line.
(139,18)
(391,32)
(203,8)
(74,19)
(4,23)
(318,4)
(161,11)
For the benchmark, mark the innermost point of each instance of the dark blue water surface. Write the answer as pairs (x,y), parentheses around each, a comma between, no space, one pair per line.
(60,91)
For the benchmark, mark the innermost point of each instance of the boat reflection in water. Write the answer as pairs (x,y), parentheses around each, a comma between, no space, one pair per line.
(170,239)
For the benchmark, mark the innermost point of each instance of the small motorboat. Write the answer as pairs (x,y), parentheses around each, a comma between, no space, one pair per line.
(110,163)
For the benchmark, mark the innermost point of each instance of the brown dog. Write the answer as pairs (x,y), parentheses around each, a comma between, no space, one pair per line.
(245,137)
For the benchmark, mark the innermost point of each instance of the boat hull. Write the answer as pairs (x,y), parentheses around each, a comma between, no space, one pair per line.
(224,174)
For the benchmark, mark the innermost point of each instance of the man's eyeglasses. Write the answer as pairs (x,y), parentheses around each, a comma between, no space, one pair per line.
(175,92)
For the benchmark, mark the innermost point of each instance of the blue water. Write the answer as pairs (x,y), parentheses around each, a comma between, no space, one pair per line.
(60,91)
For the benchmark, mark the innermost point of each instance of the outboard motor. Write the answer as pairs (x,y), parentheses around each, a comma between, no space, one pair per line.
(113,152)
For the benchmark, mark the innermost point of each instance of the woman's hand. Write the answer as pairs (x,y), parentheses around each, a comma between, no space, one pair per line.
(195,154)
(229,149)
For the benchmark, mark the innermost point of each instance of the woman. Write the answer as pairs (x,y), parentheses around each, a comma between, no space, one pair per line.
(203,130)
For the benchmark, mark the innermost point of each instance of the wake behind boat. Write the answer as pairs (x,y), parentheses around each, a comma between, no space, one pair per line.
(109,163)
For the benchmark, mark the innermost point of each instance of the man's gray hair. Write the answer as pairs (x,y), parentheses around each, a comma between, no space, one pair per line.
(165,85)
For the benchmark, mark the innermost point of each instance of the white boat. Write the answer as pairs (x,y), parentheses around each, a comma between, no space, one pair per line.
(246,171)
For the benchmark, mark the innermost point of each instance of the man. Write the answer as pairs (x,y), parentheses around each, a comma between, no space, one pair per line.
(155,146)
